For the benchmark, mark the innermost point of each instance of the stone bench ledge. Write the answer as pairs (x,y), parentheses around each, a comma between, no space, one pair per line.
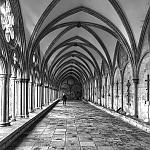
(136,123)
(10,133)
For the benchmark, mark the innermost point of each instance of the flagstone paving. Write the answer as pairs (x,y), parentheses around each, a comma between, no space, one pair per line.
(80,126)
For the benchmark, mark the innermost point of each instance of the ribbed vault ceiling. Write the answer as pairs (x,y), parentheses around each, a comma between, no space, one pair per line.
(75,36)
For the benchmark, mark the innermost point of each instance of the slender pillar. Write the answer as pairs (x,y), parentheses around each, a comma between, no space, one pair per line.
(16,96)
(47,95)
(19,97)
(39,95)
(13,90)
(36,95)
(25,111)
(89,92)
(4,100)
(30,97)
(100,95)
(50,94)
(105,99)
(23,98)
(33,97)
(122,94)
(26,98)
(93,91)
(53,94)
(136,81)
(44,95)
(112,96)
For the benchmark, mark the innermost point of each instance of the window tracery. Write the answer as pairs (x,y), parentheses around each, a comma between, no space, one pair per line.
(7,20)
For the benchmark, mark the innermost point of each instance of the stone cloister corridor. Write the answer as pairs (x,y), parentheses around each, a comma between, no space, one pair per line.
(81,126)
(96,52)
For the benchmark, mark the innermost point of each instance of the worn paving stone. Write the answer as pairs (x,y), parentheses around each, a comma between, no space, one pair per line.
(80,126)
(105,148)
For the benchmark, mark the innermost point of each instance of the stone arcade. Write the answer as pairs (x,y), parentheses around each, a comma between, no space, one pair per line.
(96,50)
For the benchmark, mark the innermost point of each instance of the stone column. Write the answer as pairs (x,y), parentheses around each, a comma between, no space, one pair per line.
(36,95)
(47,95)
(88,92)
(4,100)
(105,99)
(54,94)
(33,96)
(44,95)
(122,93)
(136,81)
(112,96)
(25,111)
(23,98)
(19,97)
(50,94)
(13,90)
(57,93)
(39,95)
(100,96)
(93,91)
(16,96)
(30,96)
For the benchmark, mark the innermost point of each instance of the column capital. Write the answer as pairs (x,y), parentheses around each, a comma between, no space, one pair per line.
(135,81)
(19,79)
(13,78)
(40,84)
(25,80)
(31,82)
(3,75)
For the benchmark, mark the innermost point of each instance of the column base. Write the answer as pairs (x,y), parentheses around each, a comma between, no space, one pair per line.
(26,116)
(31,111)
(13,120)
(136,116)
(4,124)
(21,116)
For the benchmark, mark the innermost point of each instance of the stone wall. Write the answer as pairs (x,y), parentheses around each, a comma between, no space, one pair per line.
(117,96)
(108,92)
(128,96)
(103,91)
(143,104)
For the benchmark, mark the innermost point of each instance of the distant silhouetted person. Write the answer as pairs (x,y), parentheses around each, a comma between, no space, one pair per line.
(64,98)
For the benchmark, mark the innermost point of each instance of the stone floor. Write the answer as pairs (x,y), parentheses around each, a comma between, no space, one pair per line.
(81,126)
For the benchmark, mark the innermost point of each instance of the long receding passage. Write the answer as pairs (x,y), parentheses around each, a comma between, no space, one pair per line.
(81,126)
